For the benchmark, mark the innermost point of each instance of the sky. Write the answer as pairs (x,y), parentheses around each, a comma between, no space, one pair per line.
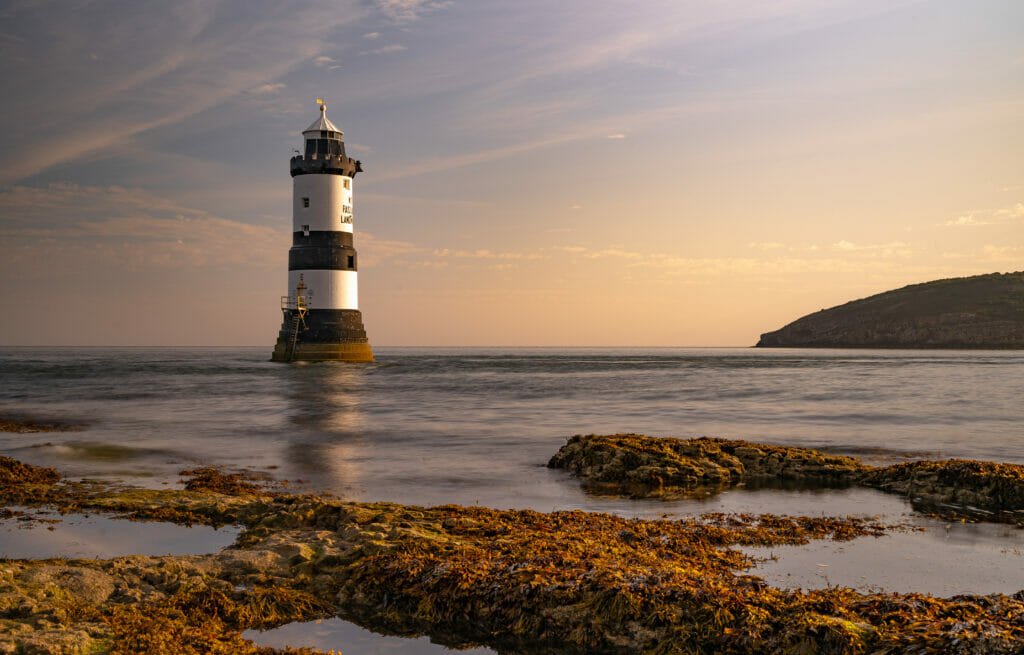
(579,173)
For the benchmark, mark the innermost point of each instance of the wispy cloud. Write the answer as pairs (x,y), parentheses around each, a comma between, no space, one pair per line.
(267,88)
(374,252)
(1008,214)
(890,249)
(77,228)
(581,130)
(486,254)
(966,220)
(1003,254)
(405,11)
(185,59)
(766,245)
(384,50)
(327,62)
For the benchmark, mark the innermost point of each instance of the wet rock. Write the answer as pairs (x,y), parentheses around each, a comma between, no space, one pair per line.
(636,465)
(84,585)
(639,466)
(15,473)
(518,581)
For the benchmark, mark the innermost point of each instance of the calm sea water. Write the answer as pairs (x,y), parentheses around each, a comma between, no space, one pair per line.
(476,426)
(469,426)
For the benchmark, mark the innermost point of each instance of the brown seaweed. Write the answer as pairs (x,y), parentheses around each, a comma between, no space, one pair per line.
(640,466)
(518,581)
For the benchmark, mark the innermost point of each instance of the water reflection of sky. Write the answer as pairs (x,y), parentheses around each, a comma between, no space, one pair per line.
(943,560)
(350,639)
(99,536)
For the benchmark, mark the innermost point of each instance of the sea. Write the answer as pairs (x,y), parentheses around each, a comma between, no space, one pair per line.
(477,426)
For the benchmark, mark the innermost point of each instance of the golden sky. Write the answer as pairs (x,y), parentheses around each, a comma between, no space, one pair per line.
(684,173)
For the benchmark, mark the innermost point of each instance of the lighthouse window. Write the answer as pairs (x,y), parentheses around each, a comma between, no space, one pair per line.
(351,261)
(305,202)
(346,182)
(305,230)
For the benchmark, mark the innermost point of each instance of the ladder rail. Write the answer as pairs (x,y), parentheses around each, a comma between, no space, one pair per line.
(299,304)
(293,336)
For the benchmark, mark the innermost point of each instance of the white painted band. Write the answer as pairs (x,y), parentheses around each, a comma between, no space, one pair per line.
(330,203)
(327,289)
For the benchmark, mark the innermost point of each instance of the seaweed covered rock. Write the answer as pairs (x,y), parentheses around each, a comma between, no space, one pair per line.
(15,473)
(210,478)
(518,581)
(956,483)
(640,466)
(637,465)
(22,426)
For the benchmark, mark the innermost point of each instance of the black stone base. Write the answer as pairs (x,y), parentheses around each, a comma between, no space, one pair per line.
(328,326)
(328,334)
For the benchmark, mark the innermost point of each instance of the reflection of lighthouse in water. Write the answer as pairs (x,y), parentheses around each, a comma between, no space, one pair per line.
(325,441)
(322,320)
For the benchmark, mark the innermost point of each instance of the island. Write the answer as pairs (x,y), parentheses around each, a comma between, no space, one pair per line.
(981,312)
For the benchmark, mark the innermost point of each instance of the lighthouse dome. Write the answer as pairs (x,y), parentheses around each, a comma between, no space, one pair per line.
(323,139)
(322,124)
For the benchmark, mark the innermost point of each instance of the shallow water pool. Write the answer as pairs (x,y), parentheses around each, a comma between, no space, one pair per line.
(945,559)
(102,536)
(350,639)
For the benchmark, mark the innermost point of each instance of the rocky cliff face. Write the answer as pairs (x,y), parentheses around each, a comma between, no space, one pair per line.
(983,311)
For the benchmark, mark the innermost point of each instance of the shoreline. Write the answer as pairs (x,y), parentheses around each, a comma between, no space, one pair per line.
(514,580)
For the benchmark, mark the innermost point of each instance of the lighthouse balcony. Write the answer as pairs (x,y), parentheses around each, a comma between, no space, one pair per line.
(325,164)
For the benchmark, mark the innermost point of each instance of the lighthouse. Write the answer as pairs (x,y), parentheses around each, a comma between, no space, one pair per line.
(322,320)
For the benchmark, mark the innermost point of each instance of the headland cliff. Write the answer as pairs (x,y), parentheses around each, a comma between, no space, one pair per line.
(982,311)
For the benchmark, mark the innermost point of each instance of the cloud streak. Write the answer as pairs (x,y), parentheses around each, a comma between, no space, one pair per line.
(194,61)
(76,228)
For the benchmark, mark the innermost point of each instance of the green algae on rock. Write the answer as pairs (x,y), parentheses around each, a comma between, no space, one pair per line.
(640,466)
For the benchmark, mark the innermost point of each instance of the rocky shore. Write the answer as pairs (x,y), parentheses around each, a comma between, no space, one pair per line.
(639,466)
(517,581)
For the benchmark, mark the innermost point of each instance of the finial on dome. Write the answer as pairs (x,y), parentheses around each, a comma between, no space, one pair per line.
(321,124)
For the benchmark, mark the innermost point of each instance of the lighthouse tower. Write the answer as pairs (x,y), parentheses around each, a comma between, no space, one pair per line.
(321,311)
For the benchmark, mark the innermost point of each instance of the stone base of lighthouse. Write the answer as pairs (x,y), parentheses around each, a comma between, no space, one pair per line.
(328,335)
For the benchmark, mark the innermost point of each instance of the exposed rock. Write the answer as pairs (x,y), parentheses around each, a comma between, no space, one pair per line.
(639,466)
(518,581)
(984,311)
(636,465)
(22,426)
(15,473)
(80,584)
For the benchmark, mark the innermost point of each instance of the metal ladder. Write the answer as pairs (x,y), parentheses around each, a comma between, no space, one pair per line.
(293,337)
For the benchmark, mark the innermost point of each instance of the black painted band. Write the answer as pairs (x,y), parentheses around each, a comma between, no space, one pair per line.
(326,258)
(318,238)
(328,165)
